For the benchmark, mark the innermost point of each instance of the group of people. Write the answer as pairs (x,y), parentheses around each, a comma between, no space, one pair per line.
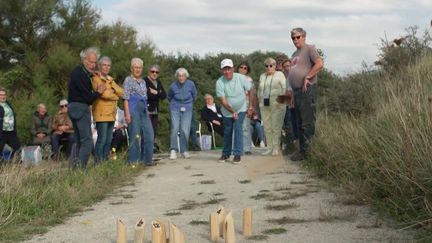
(286,94)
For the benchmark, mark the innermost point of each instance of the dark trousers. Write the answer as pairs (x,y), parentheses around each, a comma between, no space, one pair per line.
(119,138)
(154,121)
(56,140)
(305,104)
(81,121)
(10,138)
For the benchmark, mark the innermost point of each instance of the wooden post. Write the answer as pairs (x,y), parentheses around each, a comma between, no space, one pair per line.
(139,231)
(156,232)
(221,216)
(176,235)
(121,232)
(229,229)
(171,232)
(163,229)
(214,226)
(247,221)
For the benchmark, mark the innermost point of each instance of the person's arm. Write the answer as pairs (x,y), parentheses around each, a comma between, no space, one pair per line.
(316,68)
(126,111)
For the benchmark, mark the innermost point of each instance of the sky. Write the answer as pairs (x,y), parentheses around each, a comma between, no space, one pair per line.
(348,32)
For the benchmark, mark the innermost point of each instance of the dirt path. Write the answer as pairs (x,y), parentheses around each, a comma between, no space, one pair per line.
(284,199)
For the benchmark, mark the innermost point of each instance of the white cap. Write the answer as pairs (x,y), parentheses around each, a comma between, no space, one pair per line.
(227,63)
(63,102)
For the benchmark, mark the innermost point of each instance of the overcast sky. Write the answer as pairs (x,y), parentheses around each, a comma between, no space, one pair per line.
(348,32)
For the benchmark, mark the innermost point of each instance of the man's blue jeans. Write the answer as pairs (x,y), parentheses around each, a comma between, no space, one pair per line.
(141,137)
(81,121)
(233,127)
(180,122)
(103,142)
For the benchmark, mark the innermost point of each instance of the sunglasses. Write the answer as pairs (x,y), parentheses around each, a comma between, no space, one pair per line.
(269,66)
(243,67)
(296,37)
(63,106)
(153,71)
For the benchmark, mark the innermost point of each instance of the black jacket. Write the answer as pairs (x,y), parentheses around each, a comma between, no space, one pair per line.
(153,99)
(208,115)
(80,87)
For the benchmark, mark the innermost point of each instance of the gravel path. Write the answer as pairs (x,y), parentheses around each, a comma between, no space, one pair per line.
(284,198)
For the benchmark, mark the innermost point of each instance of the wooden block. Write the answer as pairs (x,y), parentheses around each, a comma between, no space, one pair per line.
(176,235)
(229,229)
(163,229)
(221,216)
(139,231)
(121,232)
(156,232)
(247,221)
(171,232)
(214,226)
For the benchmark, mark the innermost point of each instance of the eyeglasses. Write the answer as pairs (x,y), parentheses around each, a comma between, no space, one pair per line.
(269,66)
(297,37)
(243,67)
(63,106)
(154,71)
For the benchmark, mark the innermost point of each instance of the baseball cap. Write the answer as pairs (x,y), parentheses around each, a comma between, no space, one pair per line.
(227,63)
(63,102)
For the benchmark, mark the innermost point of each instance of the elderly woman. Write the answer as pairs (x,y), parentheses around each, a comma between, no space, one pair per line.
(105,108)
(271,84)
(137,116)
(181,95)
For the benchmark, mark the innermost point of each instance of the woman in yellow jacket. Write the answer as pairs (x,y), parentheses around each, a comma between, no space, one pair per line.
(105,108)
(271,84)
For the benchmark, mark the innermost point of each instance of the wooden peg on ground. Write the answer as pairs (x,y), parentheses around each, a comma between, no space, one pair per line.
(156,232)
(139,231)
(221,216)
(247,221)
(121,232)
(176,235)
(163,228)
(214,226)
(229,229)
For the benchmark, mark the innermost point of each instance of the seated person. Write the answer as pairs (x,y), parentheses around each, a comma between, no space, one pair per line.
(212,113)
(258,129)
(62,130)
(119,131)
(41,126)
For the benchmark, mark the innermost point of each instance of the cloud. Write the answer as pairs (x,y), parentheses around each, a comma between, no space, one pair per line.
(347,31)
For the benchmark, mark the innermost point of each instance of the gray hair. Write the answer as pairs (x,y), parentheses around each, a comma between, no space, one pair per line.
(91,50)
(137,60)
(41,105)
(208,96)
(269,61)
(181,71)
(104,59)
(298,30)
(154,66)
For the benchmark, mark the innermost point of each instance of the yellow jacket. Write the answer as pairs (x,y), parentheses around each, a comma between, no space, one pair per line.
(105,108)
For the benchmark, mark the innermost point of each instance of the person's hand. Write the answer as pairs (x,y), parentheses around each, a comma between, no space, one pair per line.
(153,91)
(306,83)
(250,111)
(235,115)
(216,122)
(101,88)
(128,118)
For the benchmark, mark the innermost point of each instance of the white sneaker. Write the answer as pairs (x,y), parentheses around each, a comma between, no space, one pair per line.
(275,152)
(262,144)
(173,154)
(186,155)
(267,152)
(252,145)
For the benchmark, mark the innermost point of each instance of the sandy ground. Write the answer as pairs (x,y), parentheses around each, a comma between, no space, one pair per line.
(309,212)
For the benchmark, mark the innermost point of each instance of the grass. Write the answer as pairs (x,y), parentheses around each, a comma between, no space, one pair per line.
(33,198)
(244,181)
(198,222)
(274,231)
(172,213)
(207,182)
(330,215)
(257,237)
(286,220)
(189,205)
(214,200)
(281,207)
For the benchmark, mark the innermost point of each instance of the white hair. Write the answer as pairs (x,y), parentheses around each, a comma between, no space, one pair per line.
(91,50)
(104,59)
(181,71)
(137,60)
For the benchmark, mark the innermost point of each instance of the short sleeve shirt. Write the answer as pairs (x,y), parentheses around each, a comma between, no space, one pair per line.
(301,63)
(234,91)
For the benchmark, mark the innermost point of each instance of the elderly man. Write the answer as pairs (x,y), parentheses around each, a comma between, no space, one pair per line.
(305,65)
(155,93)
(231,88)
(81,96)
(41,127)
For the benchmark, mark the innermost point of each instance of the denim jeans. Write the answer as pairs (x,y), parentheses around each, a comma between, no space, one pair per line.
(56,140)
(305,104)
(103,142)
(247,136)
(233,130)
(193,131)
(141,137)
(80,116)
(180,122)
(258,129)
